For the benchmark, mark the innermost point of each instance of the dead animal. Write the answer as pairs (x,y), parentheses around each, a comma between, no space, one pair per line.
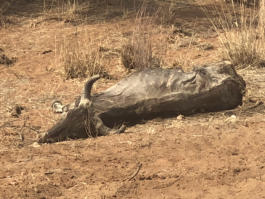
(148,94)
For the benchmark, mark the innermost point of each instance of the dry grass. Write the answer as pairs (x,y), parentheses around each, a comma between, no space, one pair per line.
(166,13)
(137,53)
(5,20)
(241,32)
(80,56)
(183,62)
(69,11)
(82,11)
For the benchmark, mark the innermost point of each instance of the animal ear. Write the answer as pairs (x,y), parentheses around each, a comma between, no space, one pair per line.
(66,108)
(57,107)
(88,86)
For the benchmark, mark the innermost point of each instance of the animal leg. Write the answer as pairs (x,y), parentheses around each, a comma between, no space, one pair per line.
(104,130)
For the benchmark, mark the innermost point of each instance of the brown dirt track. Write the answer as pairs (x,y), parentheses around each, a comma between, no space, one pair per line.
(202,156)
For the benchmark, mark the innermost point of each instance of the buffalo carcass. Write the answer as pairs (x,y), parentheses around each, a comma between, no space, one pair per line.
(147,94)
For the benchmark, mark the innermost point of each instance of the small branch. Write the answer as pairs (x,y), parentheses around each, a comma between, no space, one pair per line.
(135,173)
(8,124)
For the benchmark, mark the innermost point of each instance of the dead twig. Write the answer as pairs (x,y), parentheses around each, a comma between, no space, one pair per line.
(8,124)
(49,173)
(21,136)
(257,104)
(33,129)
(135,173)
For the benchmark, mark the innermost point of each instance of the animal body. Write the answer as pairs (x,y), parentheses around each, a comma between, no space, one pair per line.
(147,94)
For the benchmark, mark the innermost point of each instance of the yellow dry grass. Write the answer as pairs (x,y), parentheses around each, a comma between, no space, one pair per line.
(137,52)
(241,31)
(80,56)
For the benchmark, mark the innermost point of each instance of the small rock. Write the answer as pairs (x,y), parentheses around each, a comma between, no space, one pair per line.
(46,51)
(180,117)
(16,110)
(231,119)
(35,145)
(229,113)
(180,31)
(7,61)
(236,170)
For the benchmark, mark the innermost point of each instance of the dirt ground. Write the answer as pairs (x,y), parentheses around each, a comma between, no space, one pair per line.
(213,155)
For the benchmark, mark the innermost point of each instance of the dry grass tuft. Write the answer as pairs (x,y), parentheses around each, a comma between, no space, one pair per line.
(137,52)
(69,11)
(5,20)
(241,32)
(80,11)
(80,57)
(166,13)
(183,62)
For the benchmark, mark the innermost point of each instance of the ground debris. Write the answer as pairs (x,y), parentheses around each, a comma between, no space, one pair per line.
(4,60)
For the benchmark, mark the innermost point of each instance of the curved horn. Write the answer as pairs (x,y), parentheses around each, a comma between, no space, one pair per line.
(88,86)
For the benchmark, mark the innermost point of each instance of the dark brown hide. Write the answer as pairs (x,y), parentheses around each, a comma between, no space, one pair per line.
(73,126)
(151,93)
(168,92)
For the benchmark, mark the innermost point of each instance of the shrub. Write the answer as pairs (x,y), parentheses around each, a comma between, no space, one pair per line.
(241,32)
(137,52)
(80,57)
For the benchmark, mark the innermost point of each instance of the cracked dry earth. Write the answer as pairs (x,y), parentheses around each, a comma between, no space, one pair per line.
(215,155)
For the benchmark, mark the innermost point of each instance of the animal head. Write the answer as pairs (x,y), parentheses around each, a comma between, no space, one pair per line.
(77,120)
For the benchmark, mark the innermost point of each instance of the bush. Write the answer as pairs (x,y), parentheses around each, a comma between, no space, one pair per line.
(137,52)
(80,57)
(241,32)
